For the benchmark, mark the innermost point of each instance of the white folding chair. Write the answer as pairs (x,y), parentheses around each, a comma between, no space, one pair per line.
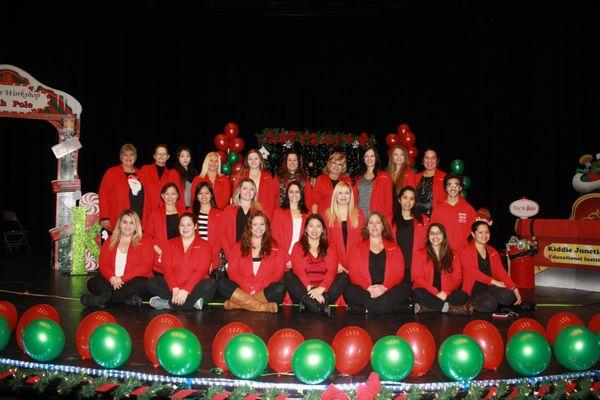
(14,234)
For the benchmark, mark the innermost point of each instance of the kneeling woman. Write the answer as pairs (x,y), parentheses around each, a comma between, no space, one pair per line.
(376,270)
(437,276)
(256,265)
(314,281)
(484,278)
(186,262)
(125,265)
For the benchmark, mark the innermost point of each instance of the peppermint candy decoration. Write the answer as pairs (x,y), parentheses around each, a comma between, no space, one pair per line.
(91,264)
(91,203)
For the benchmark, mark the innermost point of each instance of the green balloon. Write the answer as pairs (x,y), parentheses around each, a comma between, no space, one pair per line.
(232,157)
(226,169)
(179,351)
(4,333)
(392,358)
(110,345)
(460,358)
(528,353)
(466,182)
(576,348)
(246,356)
(457,166)
(313,361)
(43,339)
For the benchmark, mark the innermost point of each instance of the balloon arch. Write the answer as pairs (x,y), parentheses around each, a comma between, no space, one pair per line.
(22,96)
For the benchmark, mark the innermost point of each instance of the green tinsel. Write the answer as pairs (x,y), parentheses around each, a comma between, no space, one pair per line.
(384,394)
(70,381)
(82,240)
(240,392)
(447,394)
(89,390)
(271,394)
(415,394)
(153,391)
(125,388)
(313,395)
(475,393)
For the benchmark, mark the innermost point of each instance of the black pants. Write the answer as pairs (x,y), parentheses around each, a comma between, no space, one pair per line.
(99,285)
(424,298)
(394,299)
(204,289)
(487,298)
(275,292)
(297,289)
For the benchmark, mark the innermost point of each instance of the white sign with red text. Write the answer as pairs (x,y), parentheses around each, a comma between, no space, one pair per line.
(524,208)
(21,99)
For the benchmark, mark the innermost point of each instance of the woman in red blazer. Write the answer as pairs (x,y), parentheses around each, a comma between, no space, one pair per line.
(211,172)
(335,171)
(183,175)
(265,186)
(208,217)
(125,265)
(409,229)
(399,169)
(344,222)
(484,278)
(163,223)
(292,171)
(314,281)
(156,176)
(373,189)
(288,220)
(430,183)
(185,284)
(122,188)
(376,271)
(437,276)
(255,270)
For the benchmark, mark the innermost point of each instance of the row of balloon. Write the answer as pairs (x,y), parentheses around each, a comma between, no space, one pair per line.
(406,139)
(458,167)
(229,146)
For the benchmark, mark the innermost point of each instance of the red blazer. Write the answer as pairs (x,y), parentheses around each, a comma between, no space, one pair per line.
(299,266)
(308,196)
(472,274)
(419,235)
(439,192)
(381,194)
(113,194)
(266,191)
(156,231)
(138,264)
(422,274)
(226,229)
(176,179)
(359,265)
(214,219)
(282,227)
(185,269)
(271,268)
(322,191)
(153,185)
(221,188)
(457,220)
(336,237)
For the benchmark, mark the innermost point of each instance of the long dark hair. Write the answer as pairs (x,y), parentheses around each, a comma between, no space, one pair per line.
(185,174)
(444,263)
(376,168)
(323,243)
(285,204)
(283,172)
(196,203)
(386,233)
(246,240)
(415,212)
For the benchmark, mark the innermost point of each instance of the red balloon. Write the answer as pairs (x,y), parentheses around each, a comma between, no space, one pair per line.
(236,144)
(222,156)
(422,344)
(392,139)
(403,128)
(86,328)
(237,168)
(281,347)
(594,323)
(222,338)
(412,151)
(558,322)
(231,130)
(352,348)
(489,339)
(155,329)
(525,324)
(36,312)
(10,314)
(221,142)
(407,138)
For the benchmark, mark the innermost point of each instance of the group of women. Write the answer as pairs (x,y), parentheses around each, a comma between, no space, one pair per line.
(366,244)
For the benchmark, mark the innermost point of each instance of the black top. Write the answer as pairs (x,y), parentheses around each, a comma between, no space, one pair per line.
(172,226)
(256,259)
(333,182)
(345,231)
(425,194)
(437,278)
(160,171)
(240,223)
(136,202)
(484,264)
(377,267)
(404,239)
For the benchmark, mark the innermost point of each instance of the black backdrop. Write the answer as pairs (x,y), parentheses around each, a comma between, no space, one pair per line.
(509,88)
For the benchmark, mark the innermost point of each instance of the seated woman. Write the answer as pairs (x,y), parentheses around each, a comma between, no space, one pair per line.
(376,271)
(207,216)
(484,278)
(163,223)
(314,281)
(185,284)
(288,220)
(437,276)
(256,266)
(125,265)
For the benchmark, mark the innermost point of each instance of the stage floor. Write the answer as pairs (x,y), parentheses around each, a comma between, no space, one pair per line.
(27,280)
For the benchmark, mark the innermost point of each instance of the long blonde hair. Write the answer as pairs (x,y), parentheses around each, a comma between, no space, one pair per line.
(397,174)
(333,212)
(137,234)
(340,157)
(204,170)
(254,205)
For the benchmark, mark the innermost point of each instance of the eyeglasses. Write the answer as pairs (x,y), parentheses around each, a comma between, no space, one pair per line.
(453,185)
(436,234)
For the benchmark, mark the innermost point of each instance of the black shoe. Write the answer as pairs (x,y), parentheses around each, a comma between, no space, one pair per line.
(356,309)
(135,301)
(313,306)
(89,300)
